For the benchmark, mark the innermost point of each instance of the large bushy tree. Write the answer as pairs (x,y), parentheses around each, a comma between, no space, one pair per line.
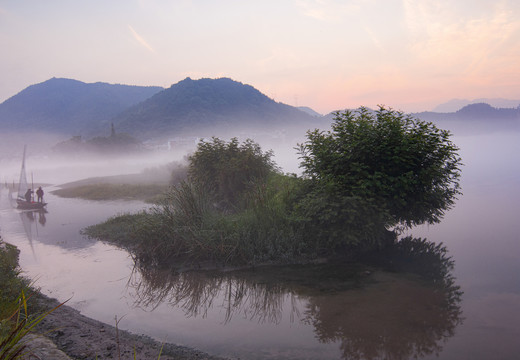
(228,169)
(398,165)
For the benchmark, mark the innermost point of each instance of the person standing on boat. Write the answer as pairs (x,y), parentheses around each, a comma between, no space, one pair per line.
(27,195)
(39,193)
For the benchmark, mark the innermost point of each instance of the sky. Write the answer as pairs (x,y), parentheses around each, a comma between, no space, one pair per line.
(410,55)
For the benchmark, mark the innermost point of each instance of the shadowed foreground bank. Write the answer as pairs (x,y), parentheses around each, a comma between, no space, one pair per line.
(26,332)
(83,338)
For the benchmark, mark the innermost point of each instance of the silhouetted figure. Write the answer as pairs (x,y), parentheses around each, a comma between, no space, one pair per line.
(39,193)
(27,195)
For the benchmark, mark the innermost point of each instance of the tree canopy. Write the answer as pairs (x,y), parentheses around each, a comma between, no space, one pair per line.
(405,167)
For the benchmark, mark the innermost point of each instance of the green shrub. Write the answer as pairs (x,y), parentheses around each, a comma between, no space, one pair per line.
(227,170)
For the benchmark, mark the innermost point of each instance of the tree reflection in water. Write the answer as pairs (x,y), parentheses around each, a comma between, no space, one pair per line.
(196,291)
(371,312)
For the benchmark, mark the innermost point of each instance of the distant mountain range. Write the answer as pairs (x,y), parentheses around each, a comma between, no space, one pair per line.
(202,107)
(69,106)
(196,107)
(475,118)
(207,107)
(457,104)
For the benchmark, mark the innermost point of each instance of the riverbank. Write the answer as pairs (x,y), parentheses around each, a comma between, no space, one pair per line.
(67,334)
(83,338)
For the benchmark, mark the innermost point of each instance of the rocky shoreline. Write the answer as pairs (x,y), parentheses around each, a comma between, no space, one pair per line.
(80,337)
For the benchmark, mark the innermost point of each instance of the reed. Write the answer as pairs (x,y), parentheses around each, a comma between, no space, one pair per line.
(189,226)
(258,231)
(16,327)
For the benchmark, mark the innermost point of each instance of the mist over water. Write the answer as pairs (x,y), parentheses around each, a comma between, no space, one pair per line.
(48,167)
(481,234)
(55,169)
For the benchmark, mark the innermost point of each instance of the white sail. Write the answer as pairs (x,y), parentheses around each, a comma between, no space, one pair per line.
(23,186)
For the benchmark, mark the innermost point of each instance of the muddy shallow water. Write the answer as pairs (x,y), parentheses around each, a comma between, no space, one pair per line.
(270,313)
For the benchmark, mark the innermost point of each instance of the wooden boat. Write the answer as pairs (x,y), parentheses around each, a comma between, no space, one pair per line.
(33,205)
(23,202)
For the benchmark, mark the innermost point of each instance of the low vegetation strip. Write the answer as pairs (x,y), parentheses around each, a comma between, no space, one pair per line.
(151,193)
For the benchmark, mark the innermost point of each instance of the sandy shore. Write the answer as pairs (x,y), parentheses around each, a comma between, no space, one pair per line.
(83,338)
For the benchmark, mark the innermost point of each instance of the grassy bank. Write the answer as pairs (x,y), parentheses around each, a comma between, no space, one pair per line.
(150,185)
(151,193)
(16,303)
(11,282)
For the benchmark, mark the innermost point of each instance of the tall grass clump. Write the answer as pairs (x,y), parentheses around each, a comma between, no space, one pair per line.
(266,229)
(189,226)
(15,291)
(11,283)
(16,327)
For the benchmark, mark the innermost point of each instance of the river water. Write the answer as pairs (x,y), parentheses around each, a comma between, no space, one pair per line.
(297,313)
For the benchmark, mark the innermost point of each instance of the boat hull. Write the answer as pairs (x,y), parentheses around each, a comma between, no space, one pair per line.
(24,205)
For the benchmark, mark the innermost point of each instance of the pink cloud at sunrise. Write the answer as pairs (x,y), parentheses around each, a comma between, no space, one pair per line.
(325,54)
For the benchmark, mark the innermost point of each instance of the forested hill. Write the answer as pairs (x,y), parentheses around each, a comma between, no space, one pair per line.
(207,107)
(69,106)
(473,118)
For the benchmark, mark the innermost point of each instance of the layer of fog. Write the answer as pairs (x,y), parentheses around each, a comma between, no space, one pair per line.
(483,225)
(45,166)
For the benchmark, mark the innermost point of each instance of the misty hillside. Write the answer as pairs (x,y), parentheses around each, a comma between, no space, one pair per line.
(309,111)
(475,112)
(473,118)
(208,107)
(69,106)
(480,117)
(457,104)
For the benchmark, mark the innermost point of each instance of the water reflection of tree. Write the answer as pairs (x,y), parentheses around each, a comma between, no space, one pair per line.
(397,320)
(393,315)
(196,292)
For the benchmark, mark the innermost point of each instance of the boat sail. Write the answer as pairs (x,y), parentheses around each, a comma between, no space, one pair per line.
(25,198)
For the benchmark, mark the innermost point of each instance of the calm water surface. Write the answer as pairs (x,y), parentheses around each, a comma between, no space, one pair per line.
(270,314)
